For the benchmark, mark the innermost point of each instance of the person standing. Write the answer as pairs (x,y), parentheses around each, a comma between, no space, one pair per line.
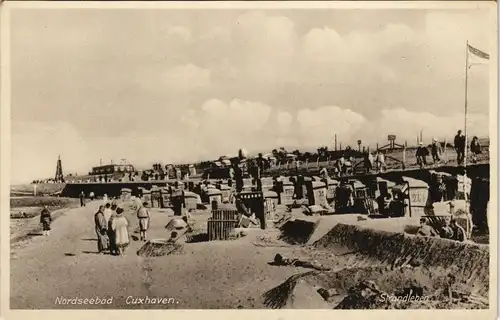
(120,224)
(143,215)
(380,162)
(82,199)
(101,230)
(45,220)
(107,212)
(238,176)
(421,155)
(451,185)
(261,164)
(340,165)
(436,151)
(368,162)
(91,195)
(111,233)
(383,202)
(459,143)
(475,148)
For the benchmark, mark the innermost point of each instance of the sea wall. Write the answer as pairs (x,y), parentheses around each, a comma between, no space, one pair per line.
(113,189)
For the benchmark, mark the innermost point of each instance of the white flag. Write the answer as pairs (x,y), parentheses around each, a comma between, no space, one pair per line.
(477,56)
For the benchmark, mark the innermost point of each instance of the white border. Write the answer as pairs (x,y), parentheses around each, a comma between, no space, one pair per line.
(6,7)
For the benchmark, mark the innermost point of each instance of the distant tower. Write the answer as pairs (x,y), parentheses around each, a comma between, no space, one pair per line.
(59,172)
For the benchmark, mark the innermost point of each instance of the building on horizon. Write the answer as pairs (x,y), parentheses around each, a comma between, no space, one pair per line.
(112,168)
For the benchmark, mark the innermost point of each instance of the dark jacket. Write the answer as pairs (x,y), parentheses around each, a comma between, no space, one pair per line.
(100,222)
(475,147)
(436,148)
(459,142)
(422,152)
(45,216)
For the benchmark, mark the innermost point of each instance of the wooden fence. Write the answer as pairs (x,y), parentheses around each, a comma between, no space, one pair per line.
(222,224)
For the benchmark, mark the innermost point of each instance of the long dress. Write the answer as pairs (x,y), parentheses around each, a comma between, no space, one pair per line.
(101,231)
(120,226)
(45,219)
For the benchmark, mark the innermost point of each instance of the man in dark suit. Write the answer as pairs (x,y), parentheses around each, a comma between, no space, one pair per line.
(459,143)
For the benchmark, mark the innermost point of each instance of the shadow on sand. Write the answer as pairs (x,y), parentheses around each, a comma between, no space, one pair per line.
(34,234)
(91,252)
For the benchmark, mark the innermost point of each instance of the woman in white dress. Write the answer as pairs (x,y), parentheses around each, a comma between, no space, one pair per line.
(120,227)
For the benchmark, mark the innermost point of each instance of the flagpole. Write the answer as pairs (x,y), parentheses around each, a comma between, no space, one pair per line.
(465,126)
(466,91)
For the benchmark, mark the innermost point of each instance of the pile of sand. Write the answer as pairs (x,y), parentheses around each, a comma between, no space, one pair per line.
(158,248)
(373,288)
(390,263)
(468,262)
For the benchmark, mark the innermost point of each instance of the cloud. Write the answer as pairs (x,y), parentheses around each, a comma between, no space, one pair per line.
(220,127)
(326,45)
(187,77)
(263,47)
(284,119)
(35,148)
(181,32)
(318,126)
(258,33)
(238,121)
(181,86)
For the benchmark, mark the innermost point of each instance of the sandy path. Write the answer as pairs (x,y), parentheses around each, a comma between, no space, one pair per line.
(227,274)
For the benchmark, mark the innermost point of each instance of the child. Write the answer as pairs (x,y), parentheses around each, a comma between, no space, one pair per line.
(45,220)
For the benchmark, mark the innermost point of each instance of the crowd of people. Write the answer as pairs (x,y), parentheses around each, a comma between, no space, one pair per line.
(342,166)
(112,227)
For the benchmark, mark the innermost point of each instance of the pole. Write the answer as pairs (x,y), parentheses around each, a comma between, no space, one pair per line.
(465,100)
(335,142)
(465,124)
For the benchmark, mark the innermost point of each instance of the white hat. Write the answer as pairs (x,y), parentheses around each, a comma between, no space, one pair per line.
(435,140)
(421,143)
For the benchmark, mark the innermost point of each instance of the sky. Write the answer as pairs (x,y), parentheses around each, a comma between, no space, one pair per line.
(177,86)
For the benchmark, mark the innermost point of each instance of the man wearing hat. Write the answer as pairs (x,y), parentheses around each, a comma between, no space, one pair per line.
(436,151)
(143,216)
(421,155)
(101,229)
